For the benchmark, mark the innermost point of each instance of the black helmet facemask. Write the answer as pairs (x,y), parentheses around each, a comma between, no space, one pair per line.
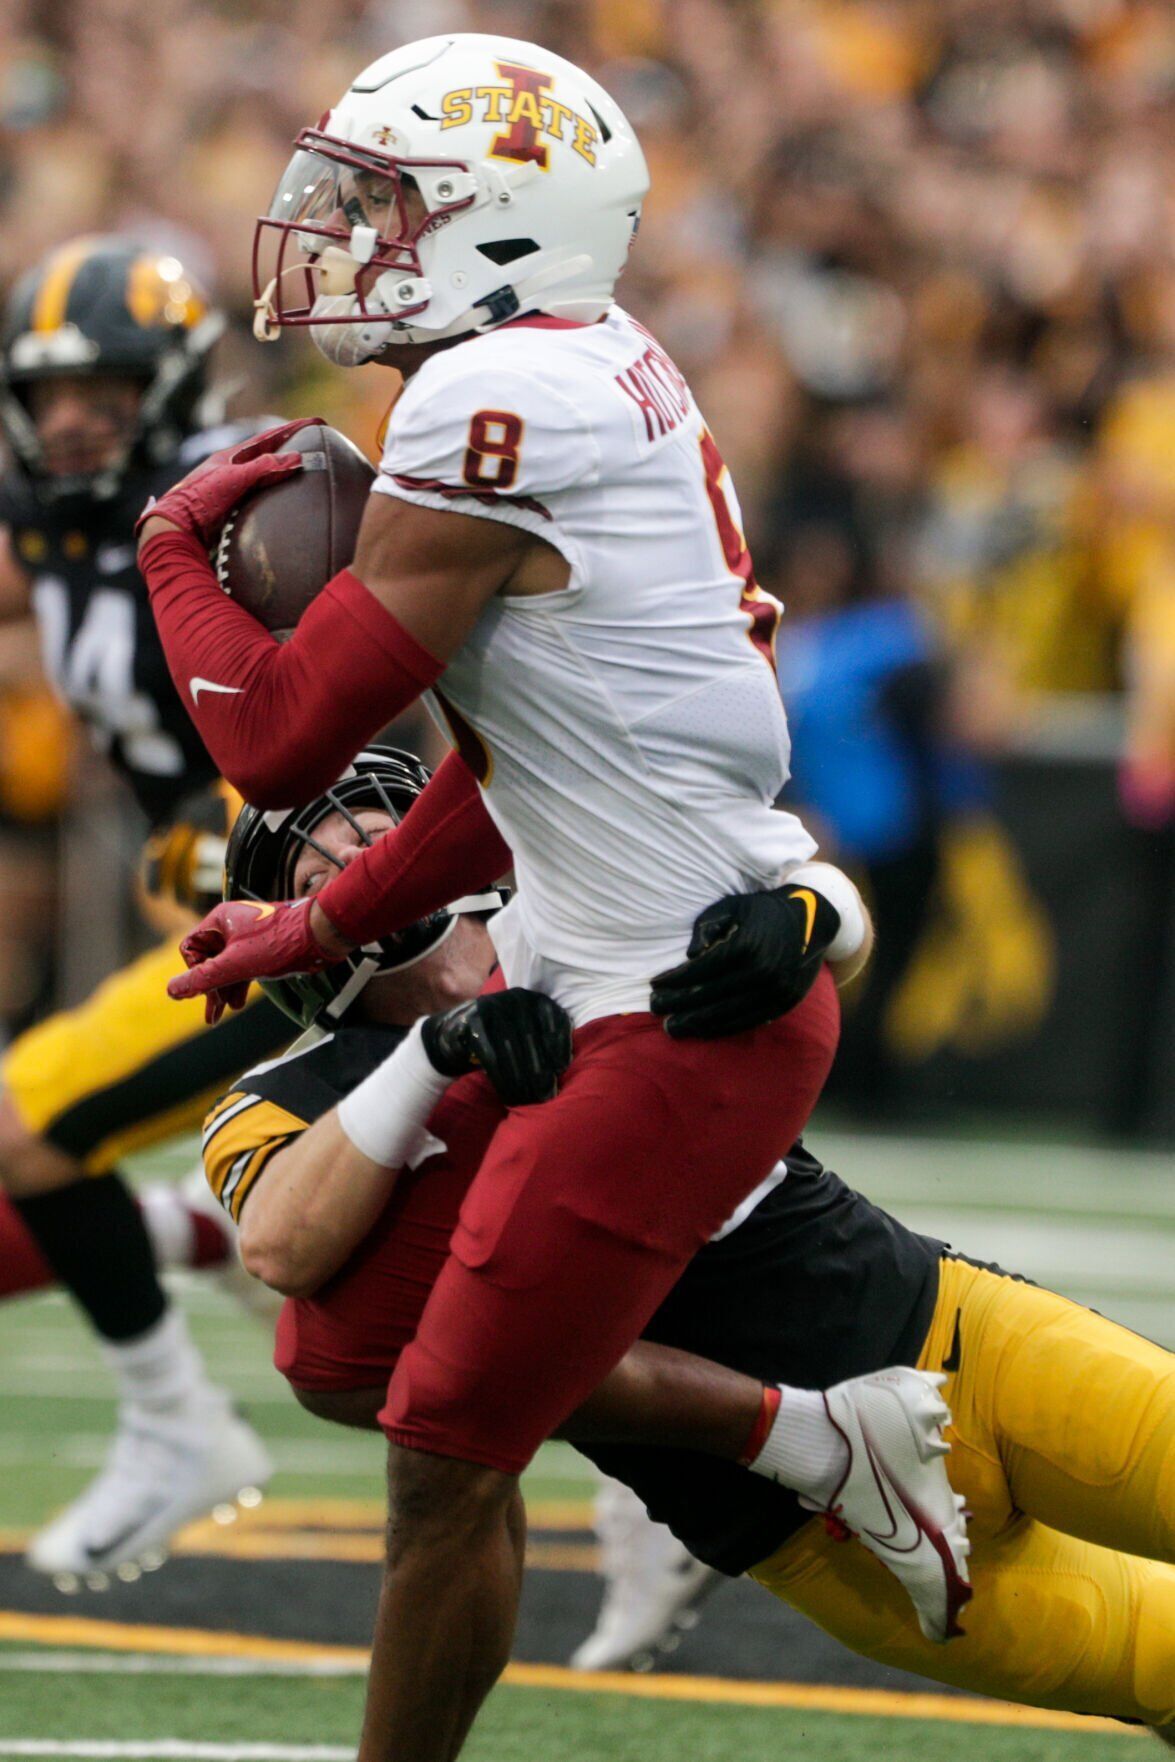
(262,855)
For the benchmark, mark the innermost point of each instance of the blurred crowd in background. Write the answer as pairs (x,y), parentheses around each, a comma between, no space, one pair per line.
(917,258)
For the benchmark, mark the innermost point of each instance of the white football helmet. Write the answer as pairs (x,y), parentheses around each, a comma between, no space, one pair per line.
(462,181)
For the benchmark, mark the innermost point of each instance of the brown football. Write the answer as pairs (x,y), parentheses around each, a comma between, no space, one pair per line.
(285,541)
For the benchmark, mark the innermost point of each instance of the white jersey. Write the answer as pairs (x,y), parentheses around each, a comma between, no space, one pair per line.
(627,731)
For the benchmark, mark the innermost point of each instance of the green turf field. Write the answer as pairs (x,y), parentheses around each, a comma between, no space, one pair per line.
(248,1645)
(285,1719)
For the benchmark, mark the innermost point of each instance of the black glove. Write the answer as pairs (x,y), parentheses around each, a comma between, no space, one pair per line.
(752,957)
(520,1039)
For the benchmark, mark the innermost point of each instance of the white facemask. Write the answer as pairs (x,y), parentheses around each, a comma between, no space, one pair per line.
(347,345)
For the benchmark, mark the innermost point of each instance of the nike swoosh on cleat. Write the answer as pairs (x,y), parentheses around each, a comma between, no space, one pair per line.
(902,1538)
(113,1543)
(196,686)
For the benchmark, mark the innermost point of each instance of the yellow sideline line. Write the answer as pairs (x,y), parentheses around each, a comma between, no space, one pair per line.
(117,1636)
(339,1514)
(258,1534)
(181,1642)
(341,1549)
(359,1514)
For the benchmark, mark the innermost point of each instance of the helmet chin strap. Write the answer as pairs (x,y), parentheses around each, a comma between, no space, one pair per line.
(266,328)
(335,272)
(371,965)
(363,971)
(492,900)
(353,343)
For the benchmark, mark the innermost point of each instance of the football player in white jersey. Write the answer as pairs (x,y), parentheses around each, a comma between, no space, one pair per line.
(554,553)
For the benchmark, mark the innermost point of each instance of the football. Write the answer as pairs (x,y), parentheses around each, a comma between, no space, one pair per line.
(282,544)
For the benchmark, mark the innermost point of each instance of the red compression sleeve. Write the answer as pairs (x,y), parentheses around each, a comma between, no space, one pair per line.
(281,720)
(445,845)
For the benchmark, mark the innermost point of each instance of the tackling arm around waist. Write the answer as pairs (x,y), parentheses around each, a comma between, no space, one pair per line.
(318,1198)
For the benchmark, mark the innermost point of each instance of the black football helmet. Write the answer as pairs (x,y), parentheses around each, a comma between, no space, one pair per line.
(106,306)
(259,864)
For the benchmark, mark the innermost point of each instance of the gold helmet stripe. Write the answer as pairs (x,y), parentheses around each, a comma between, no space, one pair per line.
(52,297)
(159,292)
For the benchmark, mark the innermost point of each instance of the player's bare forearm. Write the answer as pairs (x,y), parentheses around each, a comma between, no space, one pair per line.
(310,1208)
(656,1395)
(661,1396)
(433,571)
(152,527)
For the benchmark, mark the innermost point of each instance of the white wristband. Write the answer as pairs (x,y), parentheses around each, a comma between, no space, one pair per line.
(834,886)
(385,1115)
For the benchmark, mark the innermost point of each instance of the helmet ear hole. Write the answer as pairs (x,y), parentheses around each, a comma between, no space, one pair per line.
(605,131)
(502,251)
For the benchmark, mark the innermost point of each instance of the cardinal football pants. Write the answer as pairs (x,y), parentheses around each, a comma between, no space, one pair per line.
(584,1212)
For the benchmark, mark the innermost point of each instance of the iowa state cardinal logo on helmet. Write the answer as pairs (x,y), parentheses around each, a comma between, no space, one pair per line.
(525,104)
(461,181)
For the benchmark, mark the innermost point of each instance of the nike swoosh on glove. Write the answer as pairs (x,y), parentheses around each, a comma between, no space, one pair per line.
(752,957)
(520,1039)
(242,940)
(200,503)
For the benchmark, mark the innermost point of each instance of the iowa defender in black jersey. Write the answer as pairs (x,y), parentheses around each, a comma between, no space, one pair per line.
(103,367)
(1063,1430)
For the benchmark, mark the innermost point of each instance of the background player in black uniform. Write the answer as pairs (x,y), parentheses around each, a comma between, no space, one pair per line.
(102,373)
(1064,1424)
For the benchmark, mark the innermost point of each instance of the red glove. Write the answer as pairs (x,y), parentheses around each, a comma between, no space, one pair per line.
(243,940)
(200,503)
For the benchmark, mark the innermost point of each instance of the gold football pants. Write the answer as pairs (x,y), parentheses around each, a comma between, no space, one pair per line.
(128,1067)
(1063,1444)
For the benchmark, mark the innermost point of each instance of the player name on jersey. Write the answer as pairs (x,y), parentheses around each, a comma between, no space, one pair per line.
(657,388)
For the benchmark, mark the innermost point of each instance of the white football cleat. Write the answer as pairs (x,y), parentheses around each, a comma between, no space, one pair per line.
(652,1587)
(162,1472)
(894,1495)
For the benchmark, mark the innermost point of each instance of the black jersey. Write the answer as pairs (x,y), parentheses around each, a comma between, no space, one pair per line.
(815,1285)
(98,637)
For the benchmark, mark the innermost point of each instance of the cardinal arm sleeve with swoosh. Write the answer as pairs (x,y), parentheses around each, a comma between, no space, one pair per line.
(281,720)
